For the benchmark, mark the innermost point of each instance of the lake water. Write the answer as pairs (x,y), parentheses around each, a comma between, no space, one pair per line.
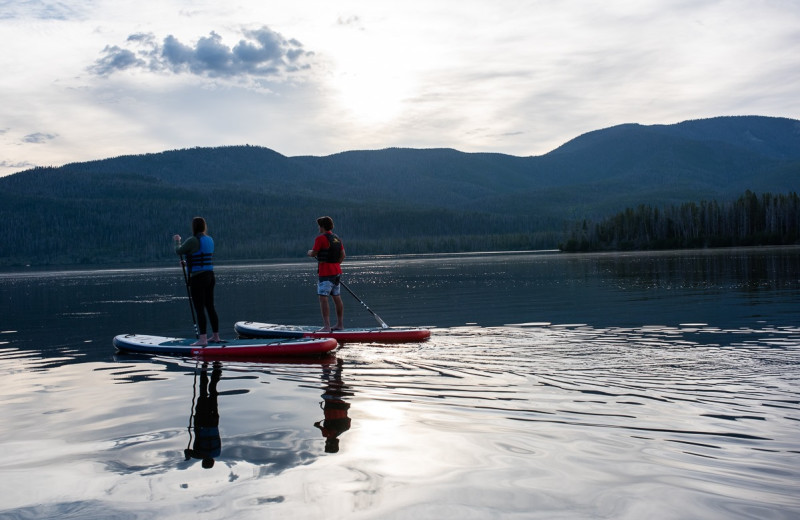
(620,386)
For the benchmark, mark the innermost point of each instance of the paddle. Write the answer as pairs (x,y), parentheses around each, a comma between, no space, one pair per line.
(382,323)
(189,294)
(188,451)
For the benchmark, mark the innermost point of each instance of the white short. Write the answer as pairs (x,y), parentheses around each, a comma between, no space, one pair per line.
(329,287)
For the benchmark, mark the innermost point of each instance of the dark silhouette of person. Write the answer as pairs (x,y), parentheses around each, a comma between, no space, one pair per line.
(334,407)
(207,442)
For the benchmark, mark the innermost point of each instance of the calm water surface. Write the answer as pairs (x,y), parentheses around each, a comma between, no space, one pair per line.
(661,385)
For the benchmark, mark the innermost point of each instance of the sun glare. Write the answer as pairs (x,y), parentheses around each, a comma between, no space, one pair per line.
(370,96)
(370,82)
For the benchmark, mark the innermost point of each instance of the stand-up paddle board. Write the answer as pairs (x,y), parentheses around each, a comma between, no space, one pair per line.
(251,329)
(239,348)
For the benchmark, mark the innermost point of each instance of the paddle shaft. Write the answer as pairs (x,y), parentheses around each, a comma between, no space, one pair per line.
(188,451)
(189,294)
(382,323)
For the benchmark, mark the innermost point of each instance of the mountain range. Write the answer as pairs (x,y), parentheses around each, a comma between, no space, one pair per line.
(261,204)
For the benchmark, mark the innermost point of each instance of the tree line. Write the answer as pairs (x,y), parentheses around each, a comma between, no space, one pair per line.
(750,220)
(130,220)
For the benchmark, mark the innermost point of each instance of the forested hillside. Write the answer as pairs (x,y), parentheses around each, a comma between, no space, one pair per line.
(751,220)
(261,204)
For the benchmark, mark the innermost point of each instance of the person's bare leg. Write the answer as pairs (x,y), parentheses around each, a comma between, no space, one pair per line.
(337,301)
(326,314)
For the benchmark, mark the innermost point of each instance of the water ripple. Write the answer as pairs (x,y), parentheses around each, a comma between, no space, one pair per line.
(685,385)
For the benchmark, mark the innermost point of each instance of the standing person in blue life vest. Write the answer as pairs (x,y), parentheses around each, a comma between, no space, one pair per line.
(329,252)
(199,251)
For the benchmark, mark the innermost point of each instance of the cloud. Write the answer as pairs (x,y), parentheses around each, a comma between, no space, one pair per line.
(117,58)
(352,21)
(38,9)
(16,165)
(262,52)
(38,138)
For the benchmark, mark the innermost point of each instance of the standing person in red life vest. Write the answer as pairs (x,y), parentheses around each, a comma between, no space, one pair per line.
(329,252)
(199,251)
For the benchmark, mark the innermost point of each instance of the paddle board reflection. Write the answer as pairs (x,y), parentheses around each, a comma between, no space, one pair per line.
(336,420)
(204,440)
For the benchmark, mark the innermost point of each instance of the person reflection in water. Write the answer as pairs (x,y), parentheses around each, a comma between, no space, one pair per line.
(336,420)
(207,442)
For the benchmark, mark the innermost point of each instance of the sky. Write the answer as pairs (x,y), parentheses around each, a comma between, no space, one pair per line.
(91,79)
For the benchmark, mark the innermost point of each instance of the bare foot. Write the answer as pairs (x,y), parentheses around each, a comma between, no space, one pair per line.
(198,344)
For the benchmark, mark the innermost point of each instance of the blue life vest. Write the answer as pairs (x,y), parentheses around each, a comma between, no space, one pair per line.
(202,259)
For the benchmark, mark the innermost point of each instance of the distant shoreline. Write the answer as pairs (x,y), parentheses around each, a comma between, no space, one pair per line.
(10,272)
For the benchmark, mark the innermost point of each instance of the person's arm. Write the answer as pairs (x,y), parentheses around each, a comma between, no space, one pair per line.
(190,246)
(315,250)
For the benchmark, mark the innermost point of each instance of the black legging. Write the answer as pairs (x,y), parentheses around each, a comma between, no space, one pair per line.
(202,286)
